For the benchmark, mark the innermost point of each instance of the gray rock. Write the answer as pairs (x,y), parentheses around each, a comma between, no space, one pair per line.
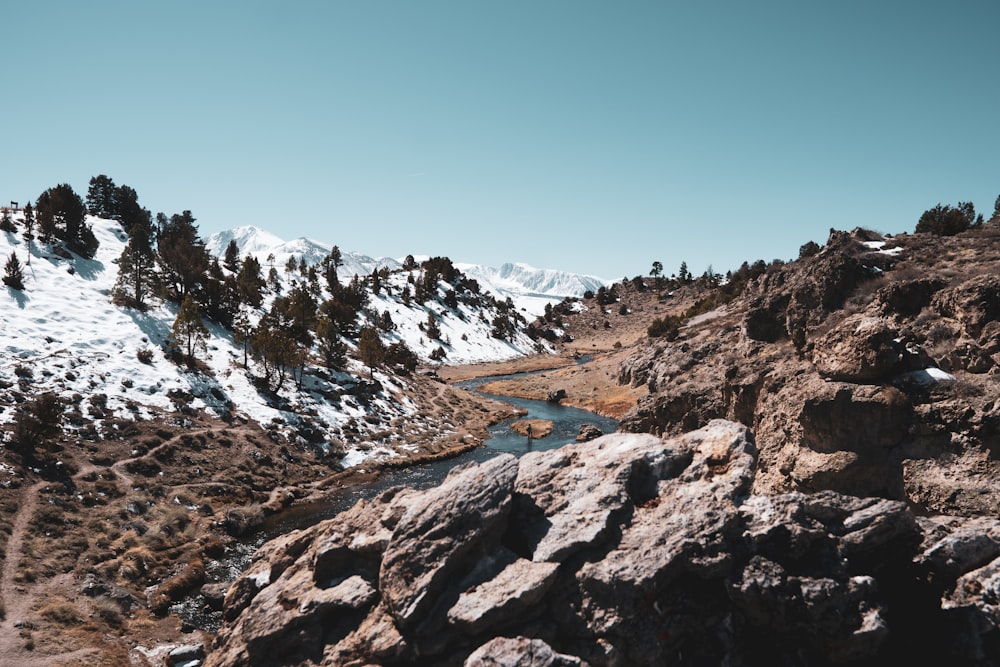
(189,654)
(860,349)
(519,652)
(626,550)
(464,515)
(509,595)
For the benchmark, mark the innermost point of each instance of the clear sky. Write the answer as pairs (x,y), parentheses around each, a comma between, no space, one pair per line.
(594,137)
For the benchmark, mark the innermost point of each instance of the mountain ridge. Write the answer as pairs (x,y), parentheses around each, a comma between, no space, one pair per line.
(529,287)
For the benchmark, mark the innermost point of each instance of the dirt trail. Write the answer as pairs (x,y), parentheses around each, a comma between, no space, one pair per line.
(17,599)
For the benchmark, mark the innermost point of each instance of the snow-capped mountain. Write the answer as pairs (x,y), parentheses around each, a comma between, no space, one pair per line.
(528,287)
(263,244)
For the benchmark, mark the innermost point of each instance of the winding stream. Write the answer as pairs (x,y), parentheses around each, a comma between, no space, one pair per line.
(566,422)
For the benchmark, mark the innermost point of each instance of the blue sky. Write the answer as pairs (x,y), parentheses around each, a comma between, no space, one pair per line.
(594,137)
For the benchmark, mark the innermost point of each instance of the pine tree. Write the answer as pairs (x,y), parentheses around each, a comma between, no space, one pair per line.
(331,263)
(431,328)
(371,351)
(242,331)
(136,269)
(13,275)
(62,215)
(189,331)
(6,223)
(102,197)
(250,283)
(331,346)
(231,257)
(182,254)
(29,229)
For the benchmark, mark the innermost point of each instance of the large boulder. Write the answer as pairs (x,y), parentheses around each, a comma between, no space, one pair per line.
(625,550)
(864,349)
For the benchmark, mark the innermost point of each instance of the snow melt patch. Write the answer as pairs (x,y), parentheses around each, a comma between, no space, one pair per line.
(931,375)
(879,247)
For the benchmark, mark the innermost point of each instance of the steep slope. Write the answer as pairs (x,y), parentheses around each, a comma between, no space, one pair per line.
(62,334)
(869,368)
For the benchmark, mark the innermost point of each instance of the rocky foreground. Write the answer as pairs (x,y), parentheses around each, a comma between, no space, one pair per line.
(626,550)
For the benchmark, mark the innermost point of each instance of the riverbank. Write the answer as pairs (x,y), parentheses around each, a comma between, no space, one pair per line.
(592,385)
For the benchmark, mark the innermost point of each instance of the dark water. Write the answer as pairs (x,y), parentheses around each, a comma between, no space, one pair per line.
(566,422)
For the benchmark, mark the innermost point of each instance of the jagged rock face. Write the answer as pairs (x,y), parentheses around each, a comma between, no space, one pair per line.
(864,349)
(974,303)
(625,550)
(800,296)
(860,406)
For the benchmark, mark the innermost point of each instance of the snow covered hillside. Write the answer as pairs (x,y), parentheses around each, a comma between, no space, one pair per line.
(262,245)
(63,334)
(529,288)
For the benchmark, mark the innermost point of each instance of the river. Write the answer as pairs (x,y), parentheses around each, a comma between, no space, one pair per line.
(566,422)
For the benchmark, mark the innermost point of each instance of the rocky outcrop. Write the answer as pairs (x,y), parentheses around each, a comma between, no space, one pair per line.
(863,349)
(588,432)
(625,550)
(781,302)
(888,387)
(974,303)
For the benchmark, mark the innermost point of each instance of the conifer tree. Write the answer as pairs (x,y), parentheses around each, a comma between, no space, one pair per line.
(431,328)
(231,257)
(189,331)
(250,283)
(61,215)
(371,351)
(136,269)
(29,229)
(242,332)
(102,197)
(330,345)
(182,254)
(6,222)
(331,263)
(13,275)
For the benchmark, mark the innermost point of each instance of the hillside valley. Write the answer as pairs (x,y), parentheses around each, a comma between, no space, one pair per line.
(804,471)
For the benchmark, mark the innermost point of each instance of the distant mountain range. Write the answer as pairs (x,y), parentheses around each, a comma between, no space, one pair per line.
(528,287)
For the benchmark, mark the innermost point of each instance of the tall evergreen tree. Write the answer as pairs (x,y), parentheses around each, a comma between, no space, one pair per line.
(189,332)
(330,264)
(62,215)
(29,229)
(330,344)
(102,197)
(136,269)
(231,257)
(371,351)
(13,275)
(250,283)
(242,332)
(182,254)
(130,213)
